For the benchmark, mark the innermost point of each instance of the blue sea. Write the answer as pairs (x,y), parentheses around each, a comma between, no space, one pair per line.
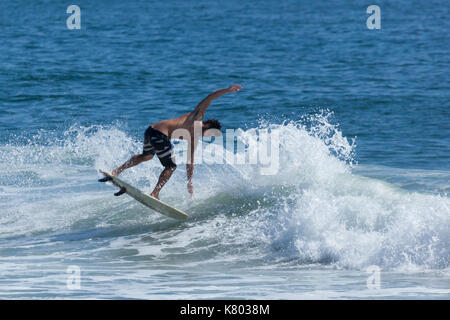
(359,207)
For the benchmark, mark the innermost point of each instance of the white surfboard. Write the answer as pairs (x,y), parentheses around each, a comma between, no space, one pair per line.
(145,199)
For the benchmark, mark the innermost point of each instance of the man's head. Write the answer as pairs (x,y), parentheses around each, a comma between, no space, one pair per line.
(211,128)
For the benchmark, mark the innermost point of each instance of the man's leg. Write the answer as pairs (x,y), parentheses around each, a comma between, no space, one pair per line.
(163,178)
(134,161)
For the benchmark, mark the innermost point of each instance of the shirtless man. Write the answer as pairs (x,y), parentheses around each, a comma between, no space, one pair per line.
(157,140)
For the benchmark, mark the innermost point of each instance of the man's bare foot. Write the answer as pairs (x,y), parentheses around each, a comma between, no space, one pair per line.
(115,172)
(154,195)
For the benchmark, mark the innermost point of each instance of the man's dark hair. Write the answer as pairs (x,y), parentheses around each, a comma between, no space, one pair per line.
(212,124)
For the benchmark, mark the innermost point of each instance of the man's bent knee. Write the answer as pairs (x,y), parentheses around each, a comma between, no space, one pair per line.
(146,157)
(142,157)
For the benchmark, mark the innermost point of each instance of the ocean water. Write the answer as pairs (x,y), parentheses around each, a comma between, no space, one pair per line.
(363,177)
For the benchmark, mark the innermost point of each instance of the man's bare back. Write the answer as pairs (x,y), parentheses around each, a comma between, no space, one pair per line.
(157,140)
(169,126)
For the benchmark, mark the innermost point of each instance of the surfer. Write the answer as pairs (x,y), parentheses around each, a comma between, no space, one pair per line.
(157,140)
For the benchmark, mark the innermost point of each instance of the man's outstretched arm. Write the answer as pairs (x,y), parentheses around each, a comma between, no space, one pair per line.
(199,111)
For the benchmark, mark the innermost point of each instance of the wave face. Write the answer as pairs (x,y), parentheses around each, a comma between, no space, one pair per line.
(315,210)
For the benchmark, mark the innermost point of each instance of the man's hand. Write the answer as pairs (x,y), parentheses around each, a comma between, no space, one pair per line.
(234,88)
(200,110)
(190,188)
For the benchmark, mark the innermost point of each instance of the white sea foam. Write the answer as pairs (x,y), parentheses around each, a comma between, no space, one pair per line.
(315,210)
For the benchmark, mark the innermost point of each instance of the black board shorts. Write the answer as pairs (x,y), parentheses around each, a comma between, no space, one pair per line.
(156,142)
